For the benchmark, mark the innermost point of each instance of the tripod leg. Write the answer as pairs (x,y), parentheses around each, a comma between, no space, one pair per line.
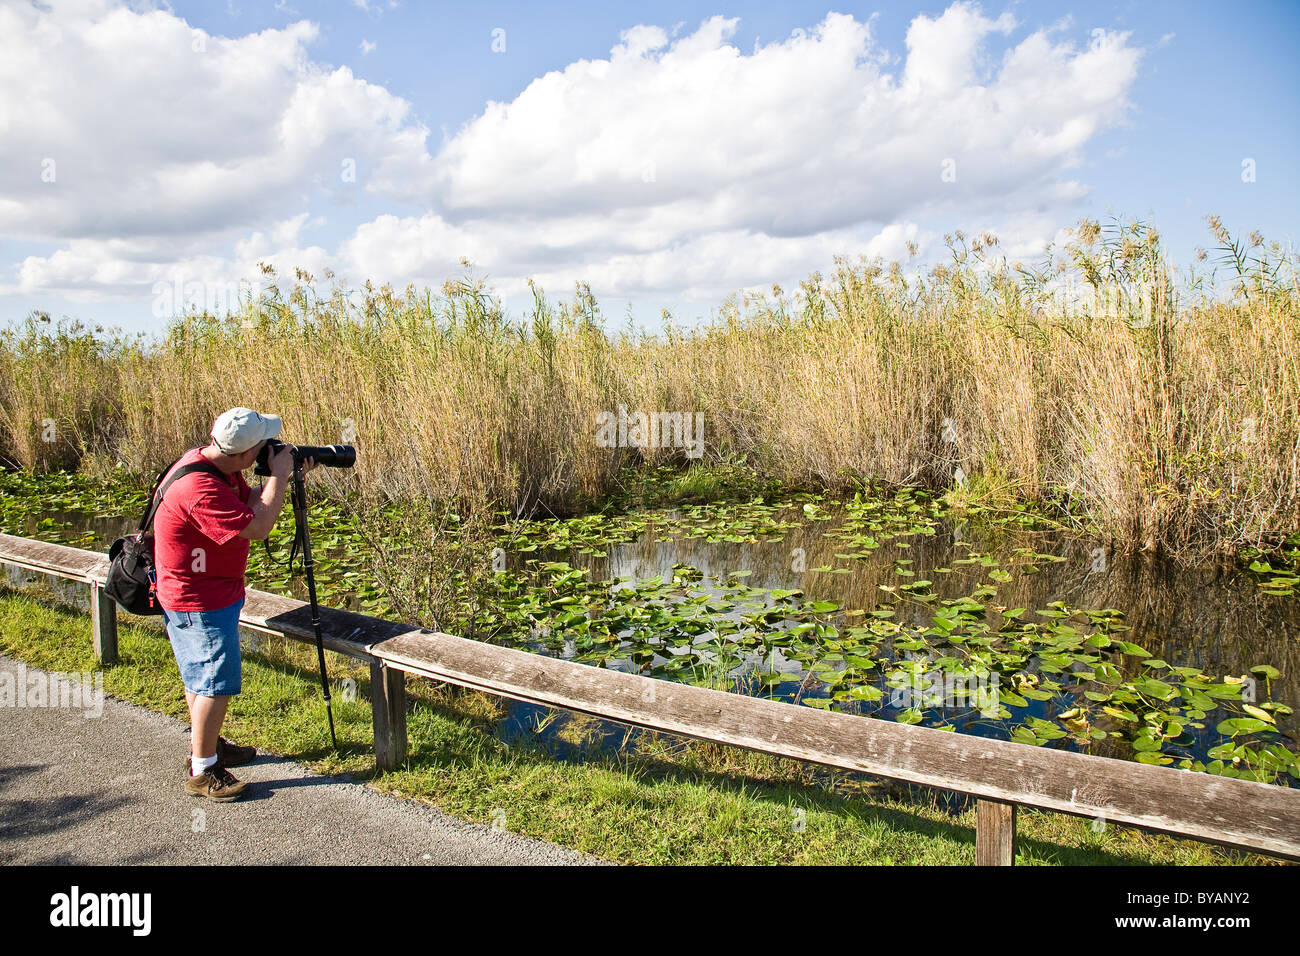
(300,520)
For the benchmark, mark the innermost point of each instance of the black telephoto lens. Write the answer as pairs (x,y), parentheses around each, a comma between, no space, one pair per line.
(331,456)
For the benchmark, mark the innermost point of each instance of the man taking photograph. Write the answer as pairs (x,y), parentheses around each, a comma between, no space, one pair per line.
(202,531)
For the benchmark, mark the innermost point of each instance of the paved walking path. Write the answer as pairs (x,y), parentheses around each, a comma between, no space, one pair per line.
(109,790)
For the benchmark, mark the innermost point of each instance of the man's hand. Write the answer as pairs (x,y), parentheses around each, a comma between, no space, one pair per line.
(287,468)
(282,462)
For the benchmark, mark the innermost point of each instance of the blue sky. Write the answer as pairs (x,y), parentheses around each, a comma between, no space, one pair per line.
(192,140)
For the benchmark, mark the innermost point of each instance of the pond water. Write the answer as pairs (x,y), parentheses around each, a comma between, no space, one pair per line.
(893,607)
(1216,619)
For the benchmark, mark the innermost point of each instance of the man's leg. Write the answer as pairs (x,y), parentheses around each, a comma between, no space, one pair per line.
(206,717)
(214,780)
(206,645)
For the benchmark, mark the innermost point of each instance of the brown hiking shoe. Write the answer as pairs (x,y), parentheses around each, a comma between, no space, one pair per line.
(217,783)
(233,755)
(228,755)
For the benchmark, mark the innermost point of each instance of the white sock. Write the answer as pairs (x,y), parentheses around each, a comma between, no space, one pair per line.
(201,765)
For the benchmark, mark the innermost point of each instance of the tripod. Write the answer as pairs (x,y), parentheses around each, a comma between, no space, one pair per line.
(303,540)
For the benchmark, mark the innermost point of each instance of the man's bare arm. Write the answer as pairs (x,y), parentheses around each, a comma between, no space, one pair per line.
(269,502)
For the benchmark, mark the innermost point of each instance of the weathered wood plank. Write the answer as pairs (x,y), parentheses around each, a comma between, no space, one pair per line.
(342,631)
(995,833)
(103,625)
(1222,810)
(286,616)
(72,563)
(388,704)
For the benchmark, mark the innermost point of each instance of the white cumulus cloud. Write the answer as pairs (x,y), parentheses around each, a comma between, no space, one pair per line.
(679,165)
(118,123)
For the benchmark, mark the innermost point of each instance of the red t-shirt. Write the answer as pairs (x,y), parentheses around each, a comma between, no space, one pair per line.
(199,555)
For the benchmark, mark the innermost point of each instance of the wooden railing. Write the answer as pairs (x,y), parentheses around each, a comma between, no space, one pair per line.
(1000,774)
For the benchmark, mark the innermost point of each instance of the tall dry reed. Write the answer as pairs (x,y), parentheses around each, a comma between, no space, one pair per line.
(1169,419)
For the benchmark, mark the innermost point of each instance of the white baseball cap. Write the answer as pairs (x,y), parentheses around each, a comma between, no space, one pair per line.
(239,429)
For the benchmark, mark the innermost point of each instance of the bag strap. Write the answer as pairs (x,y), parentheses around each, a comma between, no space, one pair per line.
(147,517)
(155,498)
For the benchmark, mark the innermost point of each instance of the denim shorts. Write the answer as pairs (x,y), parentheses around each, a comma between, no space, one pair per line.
(206,645)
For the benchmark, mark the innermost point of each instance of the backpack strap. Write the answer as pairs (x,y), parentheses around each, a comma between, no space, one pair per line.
(155,498)
(147,517)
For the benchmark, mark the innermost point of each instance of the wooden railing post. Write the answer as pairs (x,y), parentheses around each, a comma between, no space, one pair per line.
(103,625)
(995,833)
(388,701)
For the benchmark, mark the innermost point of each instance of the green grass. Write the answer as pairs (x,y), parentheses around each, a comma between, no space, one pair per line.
(661,800)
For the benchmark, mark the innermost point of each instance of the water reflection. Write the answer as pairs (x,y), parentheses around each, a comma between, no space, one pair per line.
(1213,618)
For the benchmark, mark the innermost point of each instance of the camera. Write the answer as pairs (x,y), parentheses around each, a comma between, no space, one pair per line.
(331,456)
